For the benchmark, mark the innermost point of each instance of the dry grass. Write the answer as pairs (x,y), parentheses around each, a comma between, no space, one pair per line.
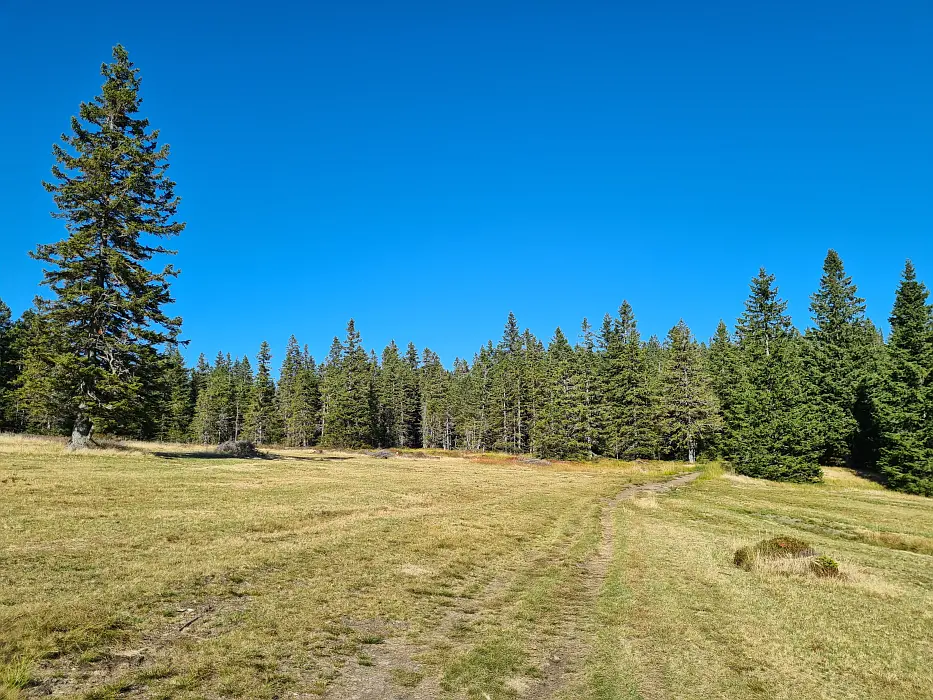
(164,571)
(680,620)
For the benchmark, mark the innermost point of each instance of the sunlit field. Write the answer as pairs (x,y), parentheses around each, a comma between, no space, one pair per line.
(157,571)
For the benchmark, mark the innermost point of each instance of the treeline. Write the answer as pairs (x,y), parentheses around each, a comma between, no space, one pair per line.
(775,402)
(101,355)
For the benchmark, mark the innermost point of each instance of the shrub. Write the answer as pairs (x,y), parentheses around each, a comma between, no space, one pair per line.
(824,567)
(775,548)
(237,448)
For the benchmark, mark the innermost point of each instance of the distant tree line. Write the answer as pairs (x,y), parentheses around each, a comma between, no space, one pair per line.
(775,402)
(100,354)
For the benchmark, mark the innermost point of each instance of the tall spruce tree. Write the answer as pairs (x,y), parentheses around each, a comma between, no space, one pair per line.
(587,365)
(905,400)
(260,423)
(7,368)
(111,188)
(560,427)
(347,390)
(726,375)
(630,422)
(690,412)
(175,407)
(838,358)
(775,438)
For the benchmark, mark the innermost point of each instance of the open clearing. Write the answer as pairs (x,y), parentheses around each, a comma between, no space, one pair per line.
(155,571)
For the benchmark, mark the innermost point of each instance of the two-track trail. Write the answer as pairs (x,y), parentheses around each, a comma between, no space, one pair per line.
(397,657)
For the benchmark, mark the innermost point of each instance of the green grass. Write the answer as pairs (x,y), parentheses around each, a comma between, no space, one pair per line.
(680,620)
(155,571)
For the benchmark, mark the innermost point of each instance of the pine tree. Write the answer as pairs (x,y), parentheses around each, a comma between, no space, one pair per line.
(398,398)
(175,407)
(7,368)
(775,439)
(241,390)
(107,307)
(260,421)
(437,427)
(629,423)
(298,396)
(690,412)
(905,401)
(725,371)
(590,392)
(348,390)
(43,385)
(838,358)
(560,428)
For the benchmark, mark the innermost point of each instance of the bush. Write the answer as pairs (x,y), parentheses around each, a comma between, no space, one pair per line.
(825,567)
(237,448)
(778,468)
(775,548)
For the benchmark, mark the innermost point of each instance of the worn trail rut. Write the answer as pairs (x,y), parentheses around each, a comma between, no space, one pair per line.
(379,679)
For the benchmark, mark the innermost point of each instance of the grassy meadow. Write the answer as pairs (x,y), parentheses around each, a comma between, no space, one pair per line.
(160,571)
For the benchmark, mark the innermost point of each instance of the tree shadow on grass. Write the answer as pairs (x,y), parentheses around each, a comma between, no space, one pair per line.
(263,456)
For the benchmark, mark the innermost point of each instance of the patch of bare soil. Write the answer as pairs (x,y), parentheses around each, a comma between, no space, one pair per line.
(194,620)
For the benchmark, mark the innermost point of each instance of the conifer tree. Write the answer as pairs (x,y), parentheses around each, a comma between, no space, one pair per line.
(7,367)
(590,391)
(690,412)
(348,392)
(175,408)
(560,426)
(630,408)
(725,371)
(297,396)
(838,359)
(905,401)
(111,188)
(43,386)
(436,419)
(775,439)
(260,422)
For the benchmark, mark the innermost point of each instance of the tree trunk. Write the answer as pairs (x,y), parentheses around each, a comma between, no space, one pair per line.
(81,433)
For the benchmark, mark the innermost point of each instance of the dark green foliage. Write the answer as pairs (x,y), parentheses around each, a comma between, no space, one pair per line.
(106,312)
(904,404)
(261,424)
(773,433)
(7,368)
(825,567)
(560,427)
(689,411)
(348,394)
(629,383)
(298,396)
(839,360)
(774,548)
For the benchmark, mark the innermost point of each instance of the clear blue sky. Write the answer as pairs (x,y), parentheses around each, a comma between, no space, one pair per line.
(427,167)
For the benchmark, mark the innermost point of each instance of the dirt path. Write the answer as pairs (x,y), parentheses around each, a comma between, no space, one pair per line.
(564,663)
(393,663)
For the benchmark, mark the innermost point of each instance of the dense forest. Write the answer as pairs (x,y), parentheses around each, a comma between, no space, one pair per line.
(102,355)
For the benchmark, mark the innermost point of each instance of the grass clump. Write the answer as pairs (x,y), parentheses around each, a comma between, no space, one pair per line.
(774,548)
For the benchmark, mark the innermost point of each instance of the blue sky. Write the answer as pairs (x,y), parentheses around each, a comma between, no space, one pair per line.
(427,167)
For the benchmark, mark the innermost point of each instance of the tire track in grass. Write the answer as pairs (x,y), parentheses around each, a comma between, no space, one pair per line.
(566,663)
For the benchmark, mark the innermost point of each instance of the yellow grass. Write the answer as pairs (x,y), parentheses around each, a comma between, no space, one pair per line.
(162,571)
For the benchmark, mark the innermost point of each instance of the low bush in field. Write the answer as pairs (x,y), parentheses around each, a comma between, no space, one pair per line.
(774,548)
(825,567)
(237,448)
